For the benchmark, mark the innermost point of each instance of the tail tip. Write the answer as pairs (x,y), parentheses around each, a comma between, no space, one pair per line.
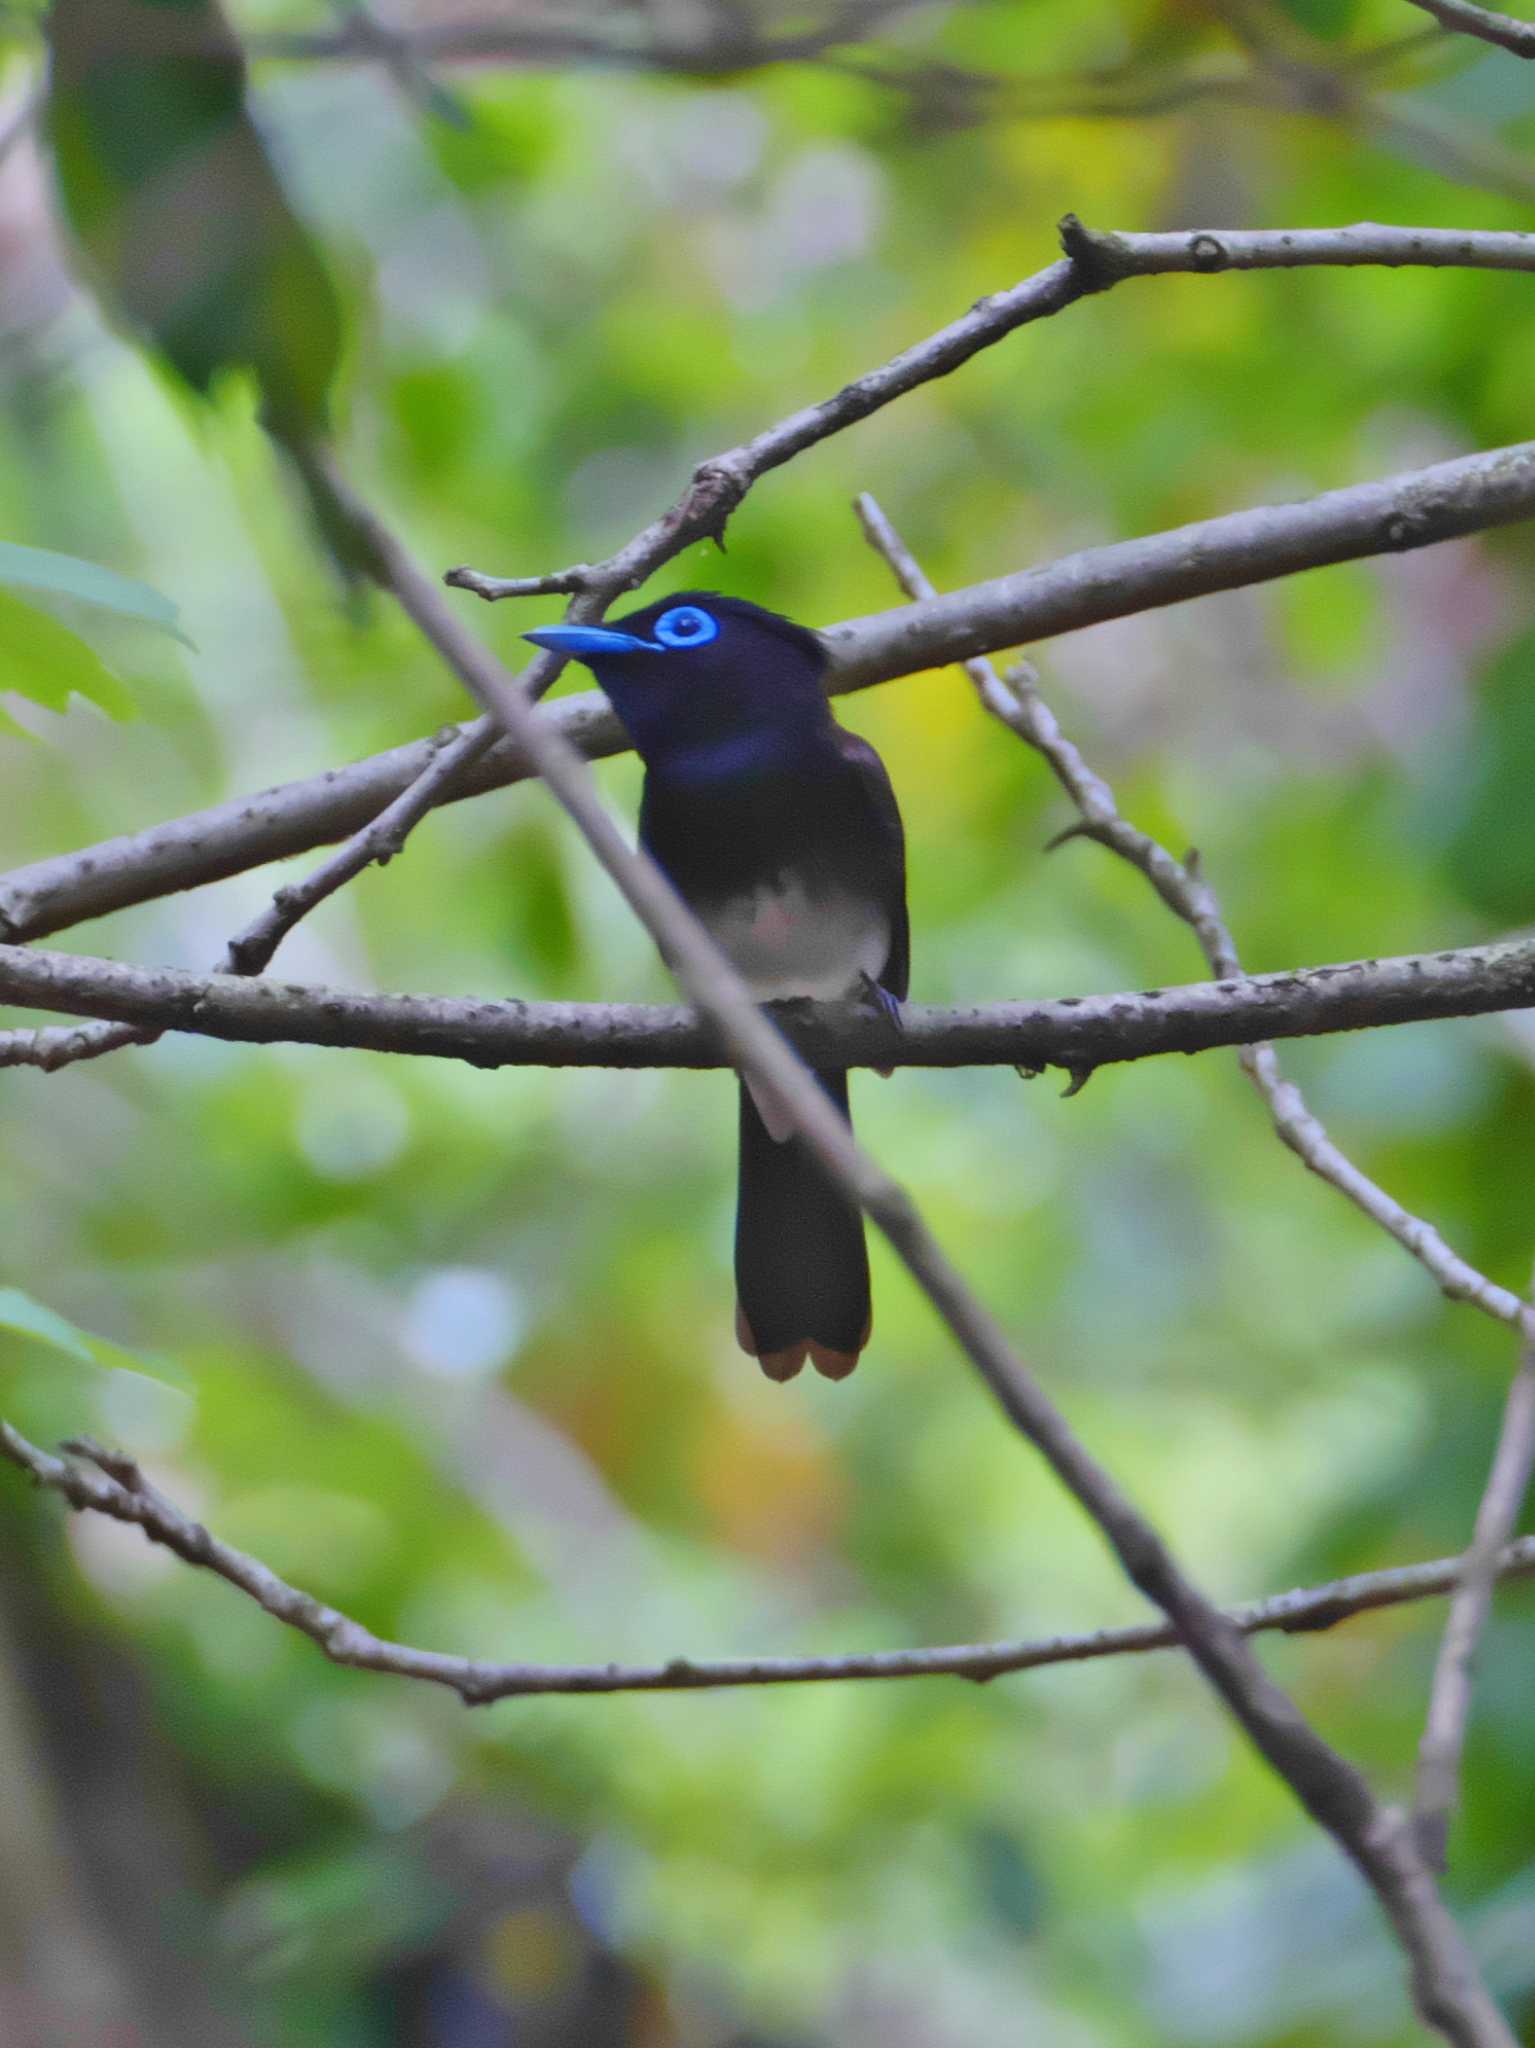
(832,1365)
(787,1362)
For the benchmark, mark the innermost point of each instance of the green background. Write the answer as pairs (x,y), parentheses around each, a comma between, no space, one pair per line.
(452,1349)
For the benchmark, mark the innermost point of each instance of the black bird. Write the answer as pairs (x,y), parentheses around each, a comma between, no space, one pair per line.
(780,829)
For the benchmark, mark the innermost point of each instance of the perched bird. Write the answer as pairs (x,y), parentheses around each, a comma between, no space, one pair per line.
(780,829)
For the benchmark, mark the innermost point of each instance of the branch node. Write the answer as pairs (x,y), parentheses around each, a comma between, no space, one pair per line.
(1208,252)
(1098,259)
(1084,828)
(117,1465)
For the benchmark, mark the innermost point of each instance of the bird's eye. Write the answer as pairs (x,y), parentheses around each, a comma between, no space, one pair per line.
(686,625)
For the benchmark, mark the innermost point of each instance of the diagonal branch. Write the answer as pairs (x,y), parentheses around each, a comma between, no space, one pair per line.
(717,488)
(1092,263)
(1444,1732)
(251,950)
(108,1483)
(1017,703)
(1082,590)
(1440,502)
(1466,18)
(1447,1988)
(1074,1033)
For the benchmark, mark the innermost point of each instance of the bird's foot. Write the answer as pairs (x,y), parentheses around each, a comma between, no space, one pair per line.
(879,999)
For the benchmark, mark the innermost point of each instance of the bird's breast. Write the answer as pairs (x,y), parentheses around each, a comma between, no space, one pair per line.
(786,939)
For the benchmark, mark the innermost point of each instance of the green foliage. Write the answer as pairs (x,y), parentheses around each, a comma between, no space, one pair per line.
(452,1348)
(167,184)
(47,663)
(88,583)
(1491,850)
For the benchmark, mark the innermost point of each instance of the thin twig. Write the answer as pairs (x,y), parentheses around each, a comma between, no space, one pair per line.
(1093,263)
(1444,1731)
(1075,1033)
(108,1483)
(251,950)
(1183,888)
(1467,19)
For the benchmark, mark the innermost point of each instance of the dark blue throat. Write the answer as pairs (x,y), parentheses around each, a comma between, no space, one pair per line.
(744,755)
(704,730)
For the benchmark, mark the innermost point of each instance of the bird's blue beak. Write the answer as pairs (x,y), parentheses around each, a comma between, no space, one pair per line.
(584,640)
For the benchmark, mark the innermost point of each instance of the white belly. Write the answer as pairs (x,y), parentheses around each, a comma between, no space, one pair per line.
(784,944)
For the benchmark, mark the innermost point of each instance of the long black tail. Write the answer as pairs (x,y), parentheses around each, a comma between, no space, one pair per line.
(802,1270)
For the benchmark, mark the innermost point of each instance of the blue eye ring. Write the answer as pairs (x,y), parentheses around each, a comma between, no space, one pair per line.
(686,625)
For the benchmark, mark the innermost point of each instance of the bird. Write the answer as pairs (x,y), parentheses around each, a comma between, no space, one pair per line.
(781,831)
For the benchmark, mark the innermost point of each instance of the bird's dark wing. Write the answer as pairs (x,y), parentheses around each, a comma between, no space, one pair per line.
(888,851)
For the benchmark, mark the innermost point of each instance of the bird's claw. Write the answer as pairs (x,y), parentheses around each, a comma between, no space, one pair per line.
(879,997)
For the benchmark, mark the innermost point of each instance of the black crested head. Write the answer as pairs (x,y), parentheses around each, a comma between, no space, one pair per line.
(700,671)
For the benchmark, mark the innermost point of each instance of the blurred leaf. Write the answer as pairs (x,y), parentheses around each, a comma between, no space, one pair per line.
(539,904)
(24,1316)
(169,189)
(90,583)
(28,1318)
(1330,19)
(47,663)
(1490,855)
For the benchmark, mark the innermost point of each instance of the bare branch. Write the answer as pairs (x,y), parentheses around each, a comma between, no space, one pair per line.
(1444,1733)
(251,951)
(1447,1989)
(719,484)
(1467,19)
(105,1482)
(1109,257)
(1018,704)
(717,487)
(1126,577)
(1391,516)
(723,46)
(1074,1033)
(1093,263)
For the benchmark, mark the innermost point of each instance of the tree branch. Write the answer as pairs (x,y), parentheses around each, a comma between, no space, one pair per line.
(1084,589)
(1467,19)
(1108,257)
(1448,1991)
(1093,263)
(1444,1732)
(1016,702)
(251,950)
(1391,516)
(1074,1033)
(724,45)
(105,1482)
(718,485)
